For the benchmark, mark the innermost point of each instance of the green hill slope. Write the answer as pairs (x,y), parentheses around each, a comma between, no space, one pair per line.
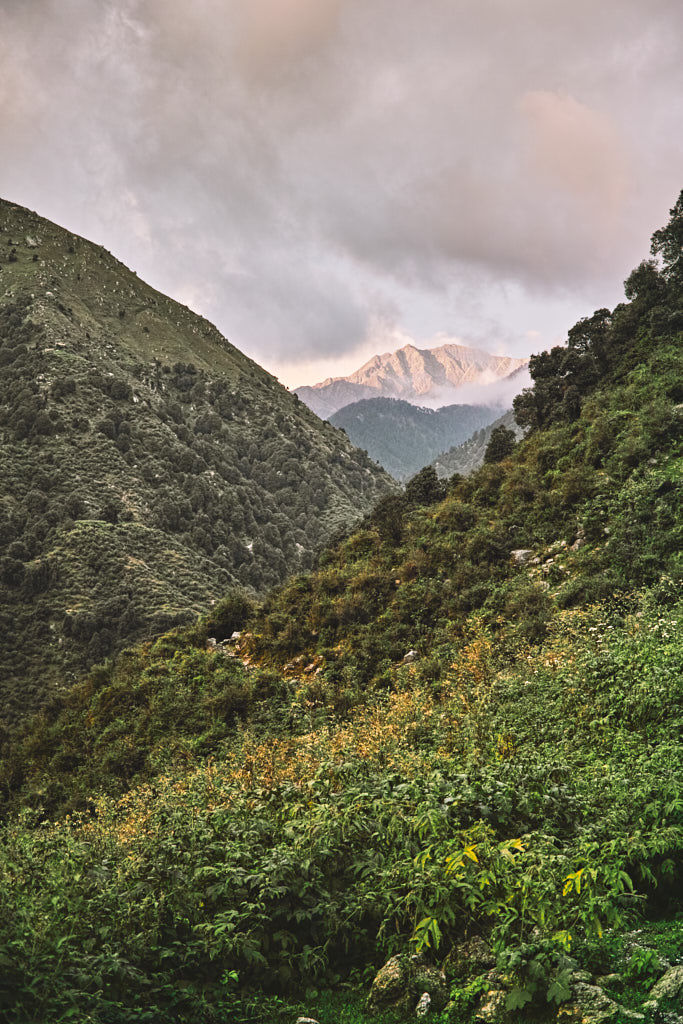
(458,736)
(468,456)
(403,437)
(145,463)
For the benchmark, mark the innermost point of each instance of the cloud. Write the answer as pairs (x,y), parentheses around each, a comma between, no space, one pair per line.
(296,168)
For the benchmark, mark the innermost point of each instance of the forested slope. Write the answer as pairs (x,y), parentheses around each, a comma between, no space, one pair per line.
(145,463)
(459,735)
(403,437)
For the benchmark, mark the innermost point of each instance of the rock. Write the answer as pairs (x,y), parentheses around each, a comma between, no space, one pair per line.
(609,979)
(423,1005)
(211,641)
(492,1007)
(409,657)
(235,636)
(580,540)
(470,958)
(305,1020)
(403,979)
(521,555)
(593,1006)
(669,986)
(390,982)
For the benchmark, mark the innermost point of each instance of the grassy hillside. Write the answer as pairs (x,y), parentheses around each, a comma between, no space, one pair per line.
(403,437)
(460,735)
(145,463)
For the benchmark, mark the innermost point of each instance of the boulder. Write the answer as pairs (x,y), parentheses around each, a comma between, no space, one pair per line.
(492,1007)
(403,980)
(305,1020)
(613,980)
(591,1005)
(521,556)
(580,540)
(423,1005)
(409,657)
(470,958)
(669,986)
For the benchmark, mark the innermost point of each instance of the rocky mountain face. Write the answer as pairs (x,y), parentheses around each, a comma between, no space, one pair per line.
(145,463)
(416,375)
(403,437)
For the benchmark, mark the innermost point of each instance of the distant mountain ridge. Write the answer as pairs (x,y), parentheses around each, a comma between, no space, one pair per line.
(403,437)
(412,374)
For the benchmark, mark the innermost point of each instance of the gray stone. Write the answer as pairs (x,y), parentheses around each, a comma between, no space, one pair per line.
(403,979)
(520,556)
(423,1005)
(409,657)
(593,1006)
(669,986)
(615,980)
(306,1020)
(579,542)
(492,1007)
(470,958)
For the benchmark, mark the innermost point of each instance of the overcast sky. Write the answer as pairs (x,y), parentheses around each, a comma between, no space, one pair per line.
(325,179)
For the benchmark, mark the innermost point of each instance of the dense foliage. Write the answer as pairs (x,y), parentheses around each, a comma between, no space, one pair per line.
(466,722)
(137,487)
(403,437)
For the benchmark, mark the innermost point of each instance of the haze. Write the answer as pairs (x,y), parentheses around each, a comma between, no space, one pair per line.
(322,178)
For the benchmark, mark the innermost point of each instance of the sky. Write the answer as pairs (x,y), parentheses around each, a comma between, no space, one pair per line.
(328,179)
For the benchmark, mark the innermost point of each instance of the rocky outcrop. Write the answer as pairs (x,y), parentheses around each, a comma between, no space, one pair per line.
(521,556)
(591,1005)
(403,982)
(470,958)
(492,1007)
(669,986)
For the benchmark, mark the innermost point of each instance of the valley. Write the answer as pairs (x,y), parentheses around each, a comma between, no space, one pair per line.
(439,757)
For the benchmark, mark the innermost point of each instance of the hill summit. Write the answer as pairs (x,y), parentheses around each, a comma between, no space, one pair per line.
(413,374)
